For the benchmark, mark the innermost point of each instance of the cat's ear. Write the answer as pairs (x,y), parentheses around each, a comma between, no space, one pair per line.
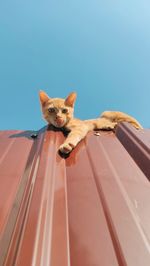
(43,97)
(70,100)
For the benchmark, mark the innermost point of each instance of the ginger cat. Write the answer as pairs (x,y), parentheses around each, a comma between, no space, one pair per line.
(59,113)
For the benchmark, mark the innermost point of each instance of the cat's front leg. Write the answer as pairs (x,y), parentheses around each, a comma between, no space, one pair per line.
(68,146)
(74,137)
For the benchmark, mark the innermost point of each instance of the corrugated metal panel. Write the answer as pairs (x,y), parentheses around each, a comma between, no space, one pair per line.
(137,143)
(91,209)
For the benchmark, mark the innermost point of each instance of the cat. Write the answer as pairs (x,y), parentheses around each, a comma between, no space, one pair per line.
(58,112)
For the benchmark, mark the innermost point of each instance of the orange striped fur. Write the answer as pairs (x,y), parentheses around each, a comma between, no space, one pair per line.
(59,113)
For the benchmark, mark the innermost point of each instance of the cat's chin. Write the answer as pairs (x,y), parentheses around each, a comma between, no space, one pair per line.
(59,125)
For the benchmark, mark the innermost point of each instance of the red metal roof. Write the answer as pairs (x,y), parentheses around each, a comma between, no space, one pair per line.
(90,209)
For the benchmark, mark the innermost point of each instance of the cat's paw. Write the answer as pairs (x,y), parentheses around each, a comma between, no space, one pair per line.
(66,148)
(109,126)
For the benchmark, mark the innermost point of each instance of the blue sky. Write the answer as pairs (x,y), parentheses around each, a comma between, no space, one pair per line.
(101,49)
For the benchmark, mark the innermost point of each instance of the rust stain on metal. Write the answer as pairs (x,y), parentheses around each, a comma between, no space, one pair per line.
(88,209)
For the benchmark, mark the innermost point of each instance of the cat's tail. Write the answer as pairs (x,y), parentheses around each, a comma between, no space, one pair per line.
(117,117)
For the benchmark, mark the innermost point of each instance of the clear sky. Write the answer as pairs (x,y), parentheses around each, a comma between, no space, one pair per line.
(101,49)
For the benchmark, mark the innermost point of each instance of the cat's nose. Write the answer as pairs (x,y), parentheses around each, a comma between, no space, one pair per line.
(58,116)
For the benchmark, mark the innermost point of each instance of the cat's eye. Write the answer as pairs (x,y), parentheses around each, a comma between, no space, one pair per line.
(51,110)
(64,110)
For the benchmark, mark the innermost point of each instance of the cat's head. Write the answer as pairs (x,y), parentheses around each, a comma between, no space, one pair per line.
(57,111)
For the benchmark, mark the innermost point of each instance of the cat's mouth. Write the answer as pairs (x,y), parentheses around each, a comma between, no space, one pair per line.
(59,122)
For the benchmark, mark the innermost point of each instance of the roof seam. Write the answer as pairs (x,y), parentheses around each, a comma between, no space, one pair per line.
(111,228)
